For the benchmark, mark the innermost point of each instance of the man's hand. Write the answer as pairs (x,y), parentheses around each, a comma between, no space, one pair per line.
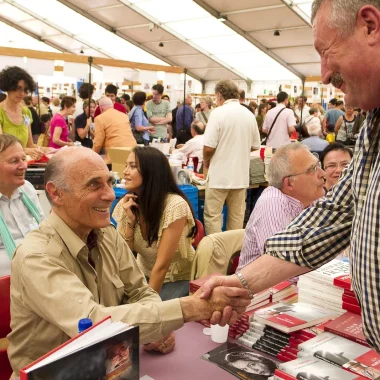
(228,303)
(213,282)
(164,346)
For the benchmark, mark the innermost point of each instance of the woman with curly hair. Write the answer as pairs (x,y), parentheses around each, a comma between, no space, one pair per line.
(157,221)
(15,119)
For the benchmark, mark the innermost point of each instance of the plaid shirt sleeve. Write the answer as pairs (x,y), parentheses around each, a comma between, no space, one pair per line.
(319,233)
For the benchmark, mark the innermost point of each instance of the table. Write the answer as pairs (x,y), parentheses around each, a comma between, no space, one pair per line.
(184,362)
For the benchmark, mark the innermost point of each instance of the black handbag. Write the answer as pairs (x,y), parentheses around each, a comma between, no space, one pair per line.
(264,142)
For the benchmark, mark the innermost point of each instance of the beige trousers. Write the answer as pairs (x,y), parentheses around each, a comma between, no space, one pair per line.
(214,201)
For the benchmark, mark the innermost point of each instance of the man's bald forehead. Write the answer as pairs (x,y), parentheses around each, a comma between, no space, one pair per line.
(72,155)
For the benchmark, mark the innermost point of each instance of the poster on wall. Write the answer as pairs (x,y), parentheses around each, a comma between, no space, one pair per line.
(295,89)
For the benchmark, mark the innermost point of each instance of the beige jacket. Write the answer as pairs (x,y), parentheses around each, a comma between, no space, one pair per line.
(53,286)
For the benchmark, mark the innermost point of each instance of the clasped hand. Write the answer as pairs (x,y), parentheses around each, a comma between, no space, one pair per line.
(227,299)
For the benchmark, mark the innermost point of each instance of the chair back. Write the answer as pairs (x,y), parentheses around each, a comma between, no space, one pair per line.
(214,252)
(5,329)
(200,235)
(5,306)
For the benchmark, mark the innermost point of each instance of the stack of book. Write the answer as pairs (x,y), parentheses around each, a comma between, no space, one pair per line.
(343,353)
(310,367)
(277,343)
(279,328)
(329,287)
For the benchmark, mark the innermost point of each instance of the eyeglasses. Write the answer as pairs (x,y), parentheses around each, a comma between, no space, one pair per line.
(21,89)
(311,170)
(334,165)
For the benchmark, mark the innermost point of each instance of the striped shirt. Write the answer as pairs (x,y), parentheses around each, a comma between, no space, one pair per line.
(349,214)
(273,212)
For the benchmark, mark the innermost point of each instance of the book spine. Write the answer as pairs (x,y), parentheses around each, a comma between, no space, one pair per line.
(353,308)
(347,336)
(349,299)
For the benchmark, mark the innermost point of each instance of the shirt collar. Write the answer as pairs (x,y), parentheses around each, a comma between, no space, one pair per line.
(293,202)
(16,194)
(72,241)
(280,105)
(230,101)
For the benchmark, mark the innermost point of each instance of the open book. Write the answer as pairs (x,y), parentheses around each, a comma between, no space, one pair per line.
(107,350)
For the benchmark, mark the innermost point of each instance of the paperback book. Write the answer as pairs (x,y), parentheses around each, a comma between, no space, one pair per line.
(242,362)
(311,368)
(288,318)
(105,351)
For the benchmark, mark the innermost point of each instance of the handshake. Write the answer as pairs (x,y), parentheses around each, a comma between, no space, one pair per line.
(221,300)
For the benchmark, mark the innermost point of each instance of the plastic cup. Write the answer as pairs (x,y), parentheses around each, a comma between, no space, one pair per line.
(219,334)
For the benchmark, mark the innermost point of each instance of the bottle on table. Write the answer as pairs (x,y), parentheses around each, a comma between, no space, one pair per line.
(84,324)
(190,165)
(117,178)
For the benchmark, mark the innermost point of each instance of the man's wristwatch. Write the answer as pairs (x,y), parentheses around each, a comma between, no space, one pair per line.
(244,283)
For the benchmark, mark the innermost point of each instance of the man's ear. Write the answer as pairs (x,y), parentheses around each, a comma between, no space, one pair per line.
(54,193)
(369,18)
(287,184)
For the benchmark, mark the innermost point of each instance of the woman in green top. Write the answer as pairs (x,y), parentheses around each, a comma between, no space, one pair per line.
(15,119)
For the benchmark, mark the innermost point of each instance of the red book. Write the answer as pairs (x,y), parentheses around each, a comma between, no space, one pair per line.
(343,282)
(350,299)
(353,308)
(348,325)
(349,293)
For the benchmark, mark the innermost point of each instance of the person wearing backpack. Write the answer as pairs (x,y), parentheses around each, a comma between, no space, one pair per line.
(279,123)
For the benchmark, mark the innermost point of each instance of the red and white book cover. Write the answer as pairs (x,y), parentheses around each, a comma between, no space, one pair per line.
(288,318)
(349,326)
(313,368)
(367,365)
(328,272)
(339,351)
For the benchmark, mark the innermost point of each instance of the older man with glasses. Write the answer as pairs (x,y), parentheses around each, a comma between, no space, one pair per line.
(296,180)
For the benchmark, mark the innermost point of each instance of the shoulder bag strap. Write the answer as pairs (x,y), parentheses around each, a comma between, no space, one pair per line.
(204,116)
(274,122)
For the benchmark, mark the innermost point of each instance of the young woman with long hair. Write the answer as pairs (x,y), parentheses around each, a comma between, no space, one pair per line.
(157,221)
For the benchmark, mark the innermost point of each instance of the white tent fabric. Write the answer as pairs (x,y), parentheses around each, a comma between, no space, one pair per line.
(213,39)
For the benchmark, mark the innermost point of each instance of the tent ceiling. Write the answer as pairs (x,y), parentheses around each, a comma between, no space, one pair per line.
(242,47)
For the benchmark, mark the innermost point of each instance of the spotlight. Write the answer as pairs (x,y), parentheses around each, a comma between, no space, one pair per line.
(82,52)
(161,44)
(276,33)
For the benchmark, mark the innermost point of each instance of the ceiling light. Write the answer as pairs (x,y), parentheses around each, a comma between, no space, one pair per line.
(222,18)
(276,33)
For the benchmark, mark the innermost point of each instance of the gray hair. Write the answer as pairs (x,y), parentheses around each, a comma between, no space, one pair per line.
(55,173)
(228,89)
(343,13)
(280,166)
(314,129)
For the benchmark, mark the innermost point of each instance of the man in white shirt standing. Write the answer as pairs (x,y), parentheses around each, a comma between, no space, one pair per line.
(20,210)
(230,136)
(194,147)
(279,130)
(301,110)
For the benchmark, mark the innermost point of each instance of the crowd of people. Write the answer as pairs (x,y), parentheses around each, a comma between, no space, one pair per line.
(322,197)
